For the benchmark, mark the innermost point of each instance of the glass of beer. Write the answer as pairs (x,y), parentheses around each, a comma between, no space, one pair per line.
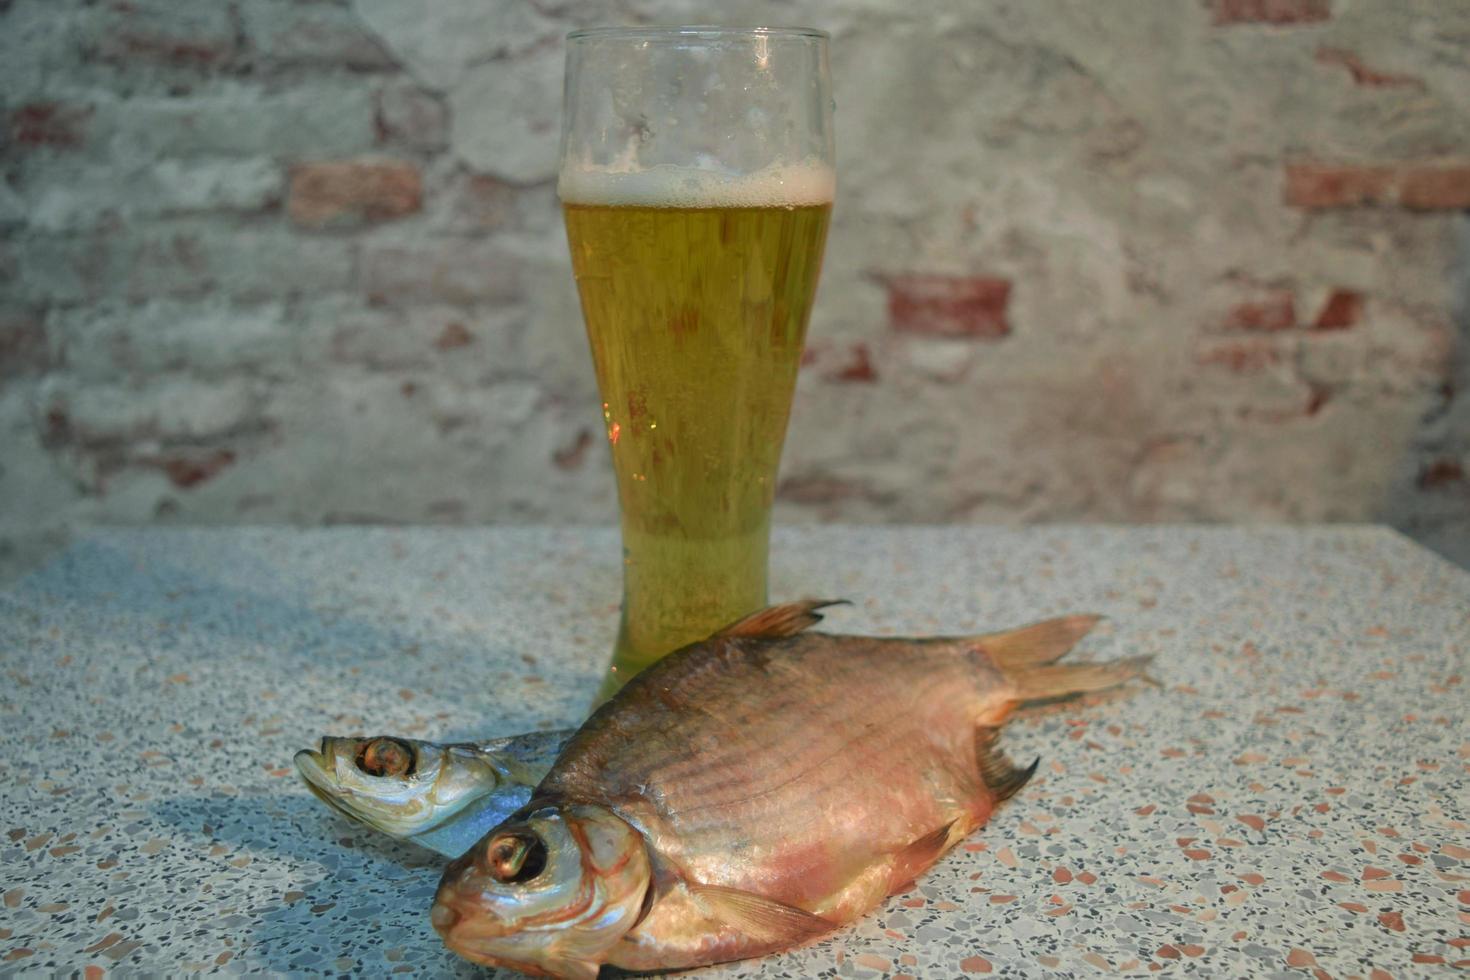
(697,182)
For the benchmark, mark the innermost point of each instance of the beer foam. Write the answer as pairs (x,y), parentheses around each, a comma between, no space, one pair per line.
(785,185)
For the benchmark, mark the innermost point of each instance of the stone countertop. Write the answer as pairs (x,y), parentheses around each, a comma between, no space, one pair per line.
(1293,799)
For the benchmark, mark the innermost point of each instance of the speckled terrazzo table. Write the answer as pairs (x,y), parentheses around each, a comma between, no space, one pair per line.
(1292,800)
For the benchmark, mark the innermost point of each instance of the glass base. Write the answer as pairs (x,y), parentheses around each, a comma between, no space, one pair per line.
(678,591)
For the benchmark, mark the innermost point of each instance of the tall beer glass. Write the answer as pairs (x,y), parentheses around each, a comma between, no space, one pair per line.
(697,182)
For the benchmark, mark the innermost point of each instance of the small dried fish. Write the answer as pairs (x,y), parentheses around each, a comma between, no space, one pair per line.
(754,791)
(440,796)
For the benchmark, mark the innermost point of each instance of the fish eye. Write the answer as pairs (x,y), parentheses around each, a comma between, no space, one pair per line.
(385,756)
(515,858)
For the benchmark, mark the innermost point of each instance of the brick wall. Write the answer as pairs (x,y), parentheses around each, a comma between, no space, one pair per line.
(267,261)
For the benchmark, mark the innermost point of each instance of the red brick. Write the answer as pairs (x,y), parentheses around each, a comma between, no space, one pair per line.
(1314,185)
(949,306)
(1270,11)
(1440,473)
(353,192)
(1429,187)
(1273,310)
(1343,309)
(453,336)
(185,471)
(187,36)
(1242,357)
(1418,186)
(1361,73)
(174,50)
(859,368)
(54,124)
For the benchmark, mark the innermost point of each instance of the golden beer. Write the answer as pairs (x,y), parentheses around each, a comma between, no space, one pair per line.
(696,317)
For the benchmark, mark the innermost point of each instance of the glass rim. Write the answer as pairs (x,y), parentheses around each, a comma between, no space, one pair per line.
(679,32)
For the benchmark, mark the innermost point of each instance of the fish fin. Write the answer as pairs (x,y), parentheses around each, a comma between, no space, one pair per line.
(917,856)
(1057,681)
(1003,778)
(1036,644)
(763,919)
(787,619)
(570,969)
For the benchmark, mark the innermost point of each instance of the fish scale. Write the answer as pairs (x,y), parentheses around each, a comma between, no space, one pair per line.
(850,751)
(777,789)
(731,776)
(819,736)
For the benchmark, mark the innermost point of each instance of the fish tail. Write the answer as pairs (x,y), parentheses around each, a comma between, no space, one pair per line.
(1036,644)
(1054,682)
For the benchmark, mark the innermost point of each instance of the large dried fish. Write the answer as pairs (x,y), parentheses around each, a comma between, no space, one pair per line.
(754,791)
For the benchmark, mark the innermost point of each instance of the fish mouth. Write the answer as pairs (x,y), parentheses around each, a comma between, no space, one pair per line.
(474,936)
(463,924)
(466,935)
(484,939)
(312,765)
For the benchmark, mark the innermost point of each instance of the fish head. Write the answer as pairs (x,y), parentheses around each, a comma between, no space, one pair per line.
(547,892)
(401,786)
